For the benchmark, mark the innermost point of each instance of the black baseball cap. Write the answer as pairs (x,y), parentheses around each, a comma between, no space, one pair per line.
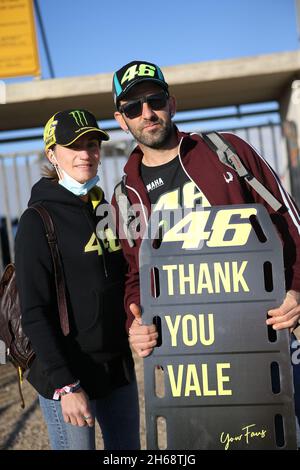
(135,72)
(65,127)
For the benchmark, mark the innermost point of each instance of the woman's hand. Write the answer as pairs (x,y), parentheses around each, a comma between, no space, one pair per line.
(76,409)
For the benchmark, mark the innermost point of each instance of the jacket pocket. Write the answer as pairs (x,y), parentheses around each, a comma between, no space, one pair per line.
(88,312)
(113,319)
(101,327)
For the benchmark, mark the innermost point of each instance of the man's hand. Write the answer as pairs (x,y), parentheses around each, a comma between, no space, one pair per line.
(288,314)
(76,409)
(142,338)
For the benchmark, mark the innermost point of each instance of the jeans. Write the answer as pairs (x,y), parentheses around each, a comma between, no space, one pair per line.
(116,413)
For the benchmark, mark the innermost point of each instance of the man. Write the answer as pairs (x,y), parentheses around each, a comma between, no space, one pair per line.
(169,167)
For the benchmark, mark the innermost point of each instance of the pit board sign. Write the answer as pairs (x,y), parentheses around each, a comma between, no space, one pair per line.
(226,379)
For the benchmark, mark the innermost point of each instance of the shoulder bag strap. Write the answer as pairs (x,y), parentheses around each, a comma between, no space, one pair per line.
(228,156)
(58,269)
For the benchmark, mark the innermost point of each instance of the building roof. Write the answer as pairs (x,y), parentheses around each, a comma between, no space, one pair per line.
(196,86)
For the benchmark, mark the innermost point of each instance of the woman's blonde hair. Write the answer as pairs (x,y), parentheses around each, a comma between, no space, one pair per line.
(48,170)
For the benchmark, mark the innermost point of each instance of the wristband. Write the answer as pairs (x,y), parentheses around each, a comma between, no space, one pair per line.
(59,392)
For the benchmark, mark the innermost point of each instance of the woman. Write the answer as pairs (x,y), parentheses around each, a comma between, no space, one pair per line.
(89,374)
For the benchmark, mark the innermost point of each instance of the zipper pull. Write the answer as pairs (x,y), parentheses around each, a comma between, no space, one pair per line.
(103,257)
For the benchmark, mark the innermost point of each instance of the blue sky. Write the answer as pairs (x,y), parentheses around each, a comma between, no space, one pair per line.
(98,36)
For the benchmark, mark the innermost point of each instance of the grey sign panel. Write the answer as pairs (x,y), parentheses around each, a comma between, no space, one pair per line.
(226,380)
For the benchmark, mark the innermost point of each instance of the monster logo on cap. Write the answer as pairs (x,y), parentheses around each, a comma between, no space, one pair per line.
(67,126)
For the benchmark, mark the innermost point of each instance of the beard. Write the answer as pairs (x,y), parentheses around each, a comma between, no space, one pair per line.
(156,139)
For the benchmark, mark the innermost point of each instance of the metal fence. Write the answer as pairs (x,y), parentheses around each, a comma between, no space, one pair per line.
(19,171)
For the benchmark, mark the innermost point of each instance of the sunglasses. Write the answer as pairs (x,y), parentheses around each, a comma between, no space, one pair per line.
(134,108)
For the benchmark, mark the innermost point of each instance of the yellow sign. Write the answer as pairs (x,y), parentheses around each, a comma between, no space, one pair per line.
(18,44)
